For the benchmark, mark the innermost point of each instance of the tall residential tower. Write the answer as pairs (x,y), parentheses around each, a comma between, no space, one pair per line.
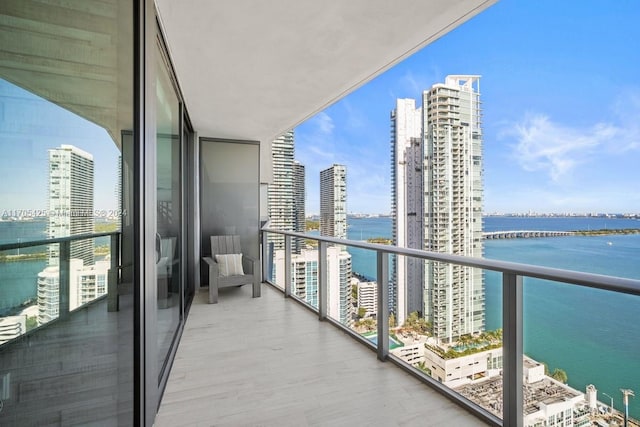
(333,223)
(299,202)
(71,201)
(280,193)
(454,297)
(333,202)
(437,200)
(407,283)
(70,213)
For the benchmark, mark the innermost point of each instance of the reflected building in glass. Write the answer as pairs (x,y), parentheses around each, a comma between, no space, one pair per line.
(71,213)
(71,201)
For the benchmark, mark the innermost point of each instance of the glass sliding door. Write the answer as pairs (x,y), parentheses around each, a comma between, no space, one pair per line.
(168,248)
(66,119)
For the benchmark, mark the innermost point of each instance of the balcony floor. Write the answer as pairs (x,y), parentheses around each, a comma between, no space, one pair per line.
(269,361)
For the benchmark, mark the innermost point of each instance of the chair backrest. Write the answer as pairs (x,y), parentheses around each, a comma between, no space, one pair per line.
(221,245)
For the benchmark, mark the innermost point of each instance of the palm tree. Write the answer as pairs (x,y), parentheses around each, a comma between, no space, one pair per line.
(465,340)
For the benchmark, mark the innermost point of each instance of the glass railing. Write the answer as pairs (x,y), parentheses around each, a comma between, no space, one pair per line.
(47,280)
(486,359)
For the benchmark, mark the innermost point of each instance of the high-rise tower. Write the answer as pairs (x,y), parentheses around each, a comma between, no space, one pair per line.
(71,201)
(333,223)
(280,196)
(333,202)
(299,199)
(454,297)
(407,274)
(70,213)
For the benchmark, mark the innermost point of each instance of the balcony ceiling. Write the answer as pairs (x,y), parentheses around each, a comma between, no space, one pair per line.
(253,69)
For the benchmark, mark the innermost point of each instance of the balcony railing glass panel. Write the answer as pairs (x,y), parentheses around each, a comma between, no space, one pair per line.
(43,283)
(581,351)
(28,282)
(495,303)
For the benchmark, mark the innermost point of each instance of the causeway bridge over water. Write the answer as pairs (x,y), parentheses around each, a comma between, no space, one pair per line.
(524,234)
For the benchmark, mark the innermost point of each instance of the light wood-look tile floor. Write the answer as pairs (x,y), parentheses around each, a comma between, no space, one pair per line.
(268,361)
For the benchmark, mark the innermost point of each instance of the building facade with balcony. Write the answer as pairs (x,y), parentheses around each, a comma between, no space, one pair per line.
(453,188)
(299,203)
(281,191)
(407,207)
(304,274)
(333,202)
(367,295)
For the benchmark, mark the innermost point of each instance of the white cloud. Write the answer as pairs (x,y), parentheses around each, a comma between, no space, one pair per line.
(354,118)
(324,123)
(541,144)
(411,85)
(317,140)
(428,76)
(411,81)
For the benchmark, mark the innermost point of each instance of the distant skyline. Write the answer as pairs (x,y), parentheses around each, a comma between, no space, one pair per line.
(561,105)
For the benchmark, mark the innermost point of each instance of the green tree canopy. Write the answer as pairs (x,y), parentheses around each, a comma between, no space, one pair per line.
(560,375)
(392,320)
(417,323)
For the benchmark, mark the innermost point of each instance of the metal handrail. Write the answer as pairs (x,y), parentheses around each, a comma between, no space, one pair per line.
(512,309)
(64,273)
(598,281)
(42,242)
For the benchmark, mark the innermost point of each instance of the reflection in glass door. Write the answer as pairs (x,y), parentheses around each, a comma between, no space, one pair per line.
(169,212)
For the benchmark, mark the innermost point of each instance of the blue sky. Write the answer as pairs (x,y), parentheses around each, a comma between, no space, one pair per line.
(29,127)
(560,89)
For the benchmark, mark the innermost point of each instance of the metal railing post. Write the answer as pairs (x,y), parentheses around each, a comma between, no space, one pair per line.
(323,294)
(287,266)
(64,261)
(265,257)
(512,394)
(113,299)
(382,315)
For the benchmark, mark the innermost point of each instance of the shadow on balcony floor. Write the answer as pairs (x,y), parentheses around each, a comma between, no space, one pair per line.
(269,361)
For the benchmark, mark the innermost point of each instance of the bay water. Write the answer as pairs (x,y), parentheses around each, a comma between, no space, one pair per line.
(592,335)
(18,279)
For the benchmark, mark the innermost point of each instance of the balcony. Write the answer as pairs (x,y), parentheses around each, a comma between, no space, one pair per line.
(268,361)
(311,373)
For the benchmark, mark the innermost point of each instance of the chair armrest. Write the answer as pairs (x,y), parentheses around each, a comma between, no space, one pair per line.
(249,264)
(255,272)
(213,279)
(213,267)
